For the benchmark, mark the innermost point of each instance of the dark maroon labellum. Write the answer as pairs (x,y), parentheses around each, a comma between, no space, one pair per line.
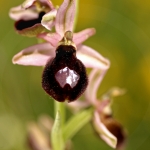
(23,24)
(64,77)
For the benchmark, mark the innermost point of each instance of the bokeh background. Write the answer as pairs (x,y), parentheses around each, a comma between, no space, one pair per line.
(123,36)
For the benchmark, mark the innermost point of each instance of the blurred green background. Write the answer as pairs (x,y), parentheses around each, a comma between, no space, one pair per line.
(123,36)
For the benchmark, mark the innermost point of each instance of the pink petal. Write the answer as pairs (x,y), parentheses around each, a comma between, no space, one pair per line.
(95,78)
(48,19)
(48,2)
(83,35)
(28,3)
(18,13)
(91,58)
(52,38)
(36,55)
(65,17)
(100,65)
(104,133)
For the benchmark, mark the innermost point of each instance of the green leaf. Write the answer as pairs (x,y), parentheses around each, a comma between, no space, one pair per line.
(56,134)
(76,123)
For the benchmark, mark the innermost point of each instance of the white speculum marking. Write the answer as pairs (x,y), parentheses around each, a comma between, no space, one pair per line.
(67,76)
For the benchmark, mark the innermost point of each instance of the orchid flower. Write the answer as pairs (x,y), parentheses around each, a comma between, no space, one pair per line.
(110,130)
(69,72)
(28,16)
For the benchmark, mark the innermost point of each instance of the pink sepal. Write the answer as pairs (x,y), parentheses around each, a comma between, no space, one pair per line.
(36,55)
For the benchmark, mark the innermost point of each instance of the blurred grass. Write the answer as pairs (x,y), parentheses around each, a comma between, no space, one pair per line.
(123,36)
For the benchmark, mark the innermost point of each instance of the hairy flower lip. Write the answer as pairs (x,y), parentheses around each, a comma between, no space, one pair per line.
(31,31)
(109,138)
(109,130)
(30,27)
(23,24)
(65,57)
(115,128)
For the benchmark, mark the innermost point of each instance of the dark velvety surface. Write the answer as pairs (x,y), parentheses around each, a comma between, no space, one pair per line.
(65,57)
(23,24)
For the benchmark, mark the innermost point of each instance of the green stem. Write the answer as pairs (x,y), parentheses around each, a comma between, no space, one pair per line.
(61,108)
(56,133)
